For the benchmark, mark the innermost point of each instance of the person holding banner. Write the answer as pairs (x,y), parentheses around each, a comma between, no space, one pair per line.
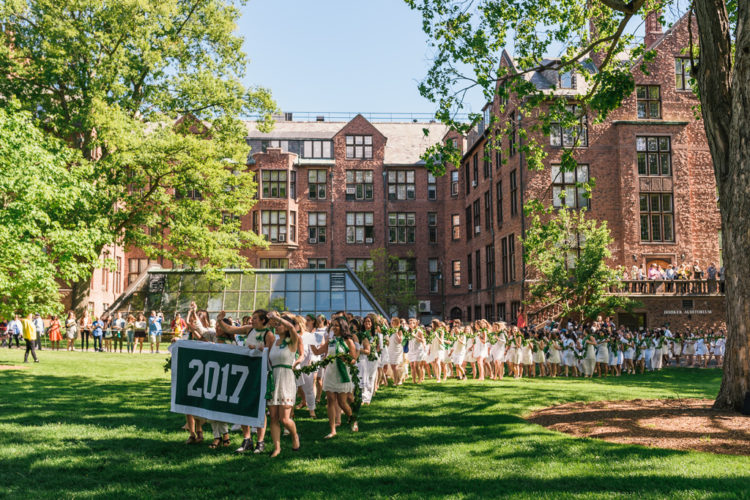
(337,380)
(258,336)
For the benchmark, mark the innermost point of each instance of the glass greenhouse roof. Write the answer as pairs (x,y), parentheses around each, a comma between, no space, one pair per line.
(300,291)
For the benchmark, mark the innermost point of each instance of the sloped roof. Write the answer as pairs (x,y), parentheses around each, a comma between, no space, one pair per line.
(405,141)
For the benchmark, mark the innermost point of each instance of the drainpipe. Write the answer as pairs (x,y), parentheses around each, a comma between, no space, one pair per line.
(523,216)
(333,221)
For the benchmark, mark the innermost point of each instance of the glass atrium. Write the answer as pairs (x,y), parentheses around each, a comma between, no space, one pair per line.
(300,291)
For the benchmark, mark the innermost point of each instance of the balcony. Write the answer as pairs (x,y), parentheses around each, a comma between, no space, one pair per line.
(667,288)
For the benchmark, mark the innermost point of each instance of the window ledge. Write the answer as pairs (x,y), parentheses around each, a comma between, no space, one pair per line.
(649,122)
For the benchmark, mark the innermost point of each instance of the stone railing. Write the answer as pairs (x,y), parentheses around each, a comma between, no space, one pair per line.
(670,287)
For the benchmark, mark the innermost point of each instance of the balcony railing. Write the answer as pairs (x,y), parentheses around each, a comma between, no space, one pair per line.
(670,287)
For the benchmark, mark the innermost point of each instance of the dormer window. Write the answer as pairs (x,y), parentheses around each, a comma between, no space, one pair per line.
(566,80)
(358,147)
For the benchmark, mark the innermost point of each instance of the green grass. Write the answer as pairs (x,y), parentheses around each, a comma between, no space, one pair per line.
(86,425)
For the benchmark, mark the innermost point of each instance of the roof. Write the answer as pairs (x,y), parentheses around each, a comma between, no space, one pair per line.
(405,142)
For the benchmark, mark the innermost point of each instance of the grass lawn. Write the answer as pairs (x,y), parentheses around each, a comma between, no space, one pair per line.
(90,425)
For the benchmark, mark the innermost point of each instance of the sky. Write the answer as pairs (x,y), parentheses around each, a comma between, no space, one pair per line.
(337,55)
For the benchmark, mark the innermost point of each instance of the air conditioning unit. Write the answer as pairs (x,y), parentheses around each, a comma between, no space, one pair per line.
(473,183)
(282,238)
(454,189)
(424,306)
(313,240)
(368,240)
(470,287)
(351,190)
(477,229)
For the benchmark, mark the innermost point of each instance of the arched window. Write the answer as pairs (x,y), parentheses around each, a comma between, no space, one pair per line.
(456,313)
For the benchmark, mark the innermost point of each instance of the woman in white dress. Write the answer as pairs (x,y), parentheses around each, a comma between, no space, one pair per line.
(589,359)
(658,356)
(602,355)
(628,354)
(554,354)
(470,359)
(368,358)
(700,350)
(396,350)
(720,349)
(458,353)
(527,354)
(689,349)
(381,327)
(568,353)
(538,344)
(281,357)
(511,352)
(480,351)
(337,380)
(498,351)
(436,348)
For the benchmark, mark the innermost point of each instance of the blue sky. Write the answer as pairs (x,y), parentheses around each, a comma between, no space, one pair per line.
(337,55)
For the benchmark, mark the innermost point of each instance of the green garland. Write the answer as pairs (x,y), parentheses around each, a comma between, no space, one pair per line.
(346,358)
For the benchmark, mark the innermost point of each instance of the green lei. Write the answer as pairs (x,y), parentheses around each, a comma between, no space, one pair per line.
(341,348)
(262,332)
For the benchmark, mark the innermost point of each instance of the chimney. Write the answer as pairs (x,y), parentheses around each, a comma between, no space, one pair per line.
(653,28)
(597,55)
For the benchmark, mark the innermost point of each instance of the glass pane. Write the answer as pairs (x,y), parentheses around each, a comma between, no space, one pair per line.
(307,301)
(338,301)
(666,205)
(292,281)
(644,228)
(644,203)
(653,164)
(668,236)
(665,164)
(231,301)
(264,281)
(261,300)
(323,301)
(556,201)
(640,144)
(188,283)
(652,144)
(215,302)
(656,228)
(308,282)
(278,301)
(277,282)
(292,302)
(653,92)
(655,203)
(640,92)
(247,301)
(173,282)
(322,281)
(664,143)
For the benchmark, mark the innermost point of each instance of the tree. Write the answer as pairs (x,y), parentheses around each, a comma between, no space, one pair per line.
(150,94)
(389,282)
(569,254)
(42,236)
(469,35)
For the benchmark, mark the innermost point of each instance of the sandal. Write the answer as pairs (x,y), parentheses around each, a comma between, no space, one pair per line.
(199,437)
(215,443)
(227,441)
(192,440)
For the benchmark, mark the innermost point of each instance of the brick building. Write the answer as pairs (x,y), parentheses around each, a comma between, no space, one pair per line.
(330,192)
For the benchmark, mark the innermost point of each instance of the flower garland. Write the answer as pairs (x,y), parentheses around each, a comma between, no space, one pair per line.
(345,358)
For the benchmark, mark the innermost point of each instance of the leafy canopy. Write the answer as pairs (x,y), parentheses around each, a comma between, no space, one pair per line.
(111,79)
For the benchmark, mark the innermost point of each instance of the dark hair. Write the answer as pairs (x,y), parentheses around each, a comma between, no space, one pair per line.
(320,321)
(262,315)
(344,326)
(355,325)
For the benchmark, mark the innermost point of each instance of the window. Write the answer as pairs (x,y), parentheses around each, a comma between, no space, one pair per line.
(477,312)
(228,219)
(456,270)
(566,184)
(292,226)
(487,210)
(274,263)
(466,178)
(432,227)
(512,256)
(316,182)
(317,149)
(135,268)
(359,227)
(432,267)
(359,265)
(274,183)
(187,192)
(293,185)
(515,307)
(498,156)
(454,183)
(359,185)
(477,218)
(499,188)
(649,101)
(105,278)
(489,262)
(477,262)
(401,227)
(682,67)
(475,170)
(573,250)
(455,227)
(468,314)
(566,80)
(273,223)
(316,263)
(513,194)
(512,145)
(576,136)
(654,155)
(504,255)
(470,270)
(469,230)
(501,311)
(489,312)
(431,187)
(118,275)
(316,227)
(486,163)
(358,147)
(401,185)
(405,274)
(657,217)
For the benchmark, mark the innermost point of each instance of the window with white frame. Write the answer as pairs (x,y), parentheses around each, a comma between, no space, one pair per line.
(273,225)
(359,185)
(401,185)
(316,181)
(567,190)
(359,227)
(274,183)
(401,227)
(316,227)
(358,147)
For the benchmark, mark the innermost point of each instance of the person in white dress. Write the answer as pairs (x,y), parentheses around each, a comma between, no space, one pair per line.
(602,355)
(458,353)
(700,350)
(436,349)
(568,356)
(554,354)
(337,379)
(628,354)
(480,350)
(306,381)
(657,357)
(470,360)
(396,350)
(381,327)
(368,342)
(498,351)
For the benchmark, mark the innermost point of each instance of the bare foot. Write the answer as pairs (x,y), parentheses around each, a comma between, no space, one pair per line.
(275,453)
(329,436)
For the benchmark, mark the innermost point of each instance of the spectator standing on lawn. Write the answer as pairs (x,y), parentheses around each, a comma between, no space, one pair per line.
(85,329)
(39,326)
(14,331)
(97,332)
(179,326)
(29,335)
(54,333)
(71,330)
(118,331)
(154,329)
(3,332)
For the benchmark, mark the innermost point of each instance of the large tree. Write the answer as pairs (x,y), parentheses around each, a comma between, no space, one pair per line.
(468,36)
(150,94)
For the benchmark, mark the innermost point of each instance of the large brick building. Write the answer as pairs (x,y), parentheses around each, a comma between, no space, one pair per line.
(330,192)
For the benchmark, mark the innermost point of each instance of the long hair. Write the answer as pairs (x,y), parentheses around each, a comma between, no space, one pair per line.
(343,326)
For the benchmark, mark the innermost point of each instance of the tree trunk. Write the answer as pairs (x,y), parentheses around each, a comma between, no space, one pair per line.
(79,296)
(725,100)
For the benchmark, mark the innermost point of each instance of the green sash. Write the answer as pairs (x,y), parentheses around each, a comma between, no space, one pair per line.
(341,348)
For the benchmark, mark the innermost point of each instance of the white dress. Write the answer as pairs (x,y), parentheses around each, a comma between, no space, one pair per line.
(602,353)
(569,357)
(554,353)
(470,350)
(285,385)
(383,359)
(395,350)
(700,347)
(332,379)
(459,351)
(498,350)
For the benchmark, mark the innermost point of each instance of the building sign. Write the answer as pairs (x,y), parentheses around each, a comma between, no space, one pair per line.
(687,311)
(219,382)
